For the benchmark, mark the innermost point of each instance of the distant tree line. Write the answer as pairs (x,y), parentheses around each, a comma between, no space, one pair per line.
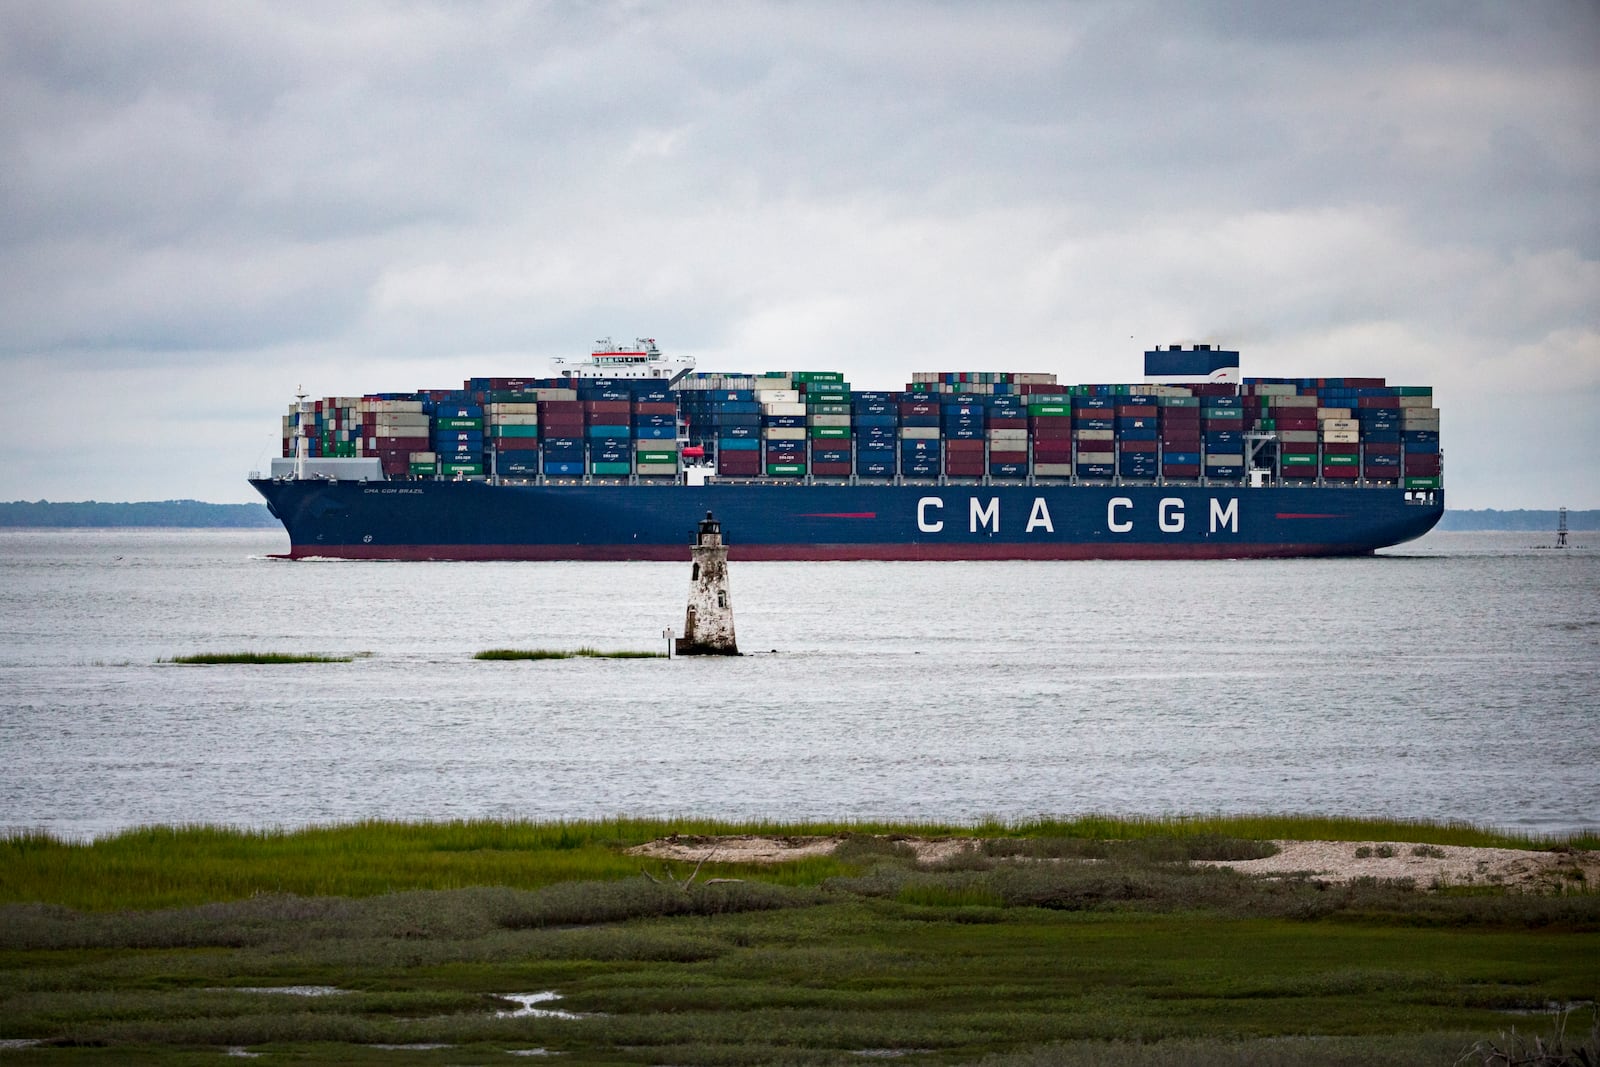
(192,513)
(1490,519)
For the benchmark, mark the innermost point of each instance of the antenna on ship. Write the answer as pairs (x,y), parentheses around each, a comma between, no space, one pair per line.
(301,442)
(1561,528)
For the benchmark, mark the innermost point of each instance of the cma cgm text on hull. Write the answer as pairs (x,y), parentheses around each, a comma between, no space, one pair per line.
(621,456)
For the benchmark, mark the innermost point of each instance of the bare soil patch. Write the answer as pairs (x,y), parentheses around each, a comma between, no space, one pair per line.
(1329,861)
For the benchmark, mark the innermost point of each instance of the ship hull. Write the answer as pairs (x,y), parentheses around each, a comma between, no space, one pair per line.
(467,520)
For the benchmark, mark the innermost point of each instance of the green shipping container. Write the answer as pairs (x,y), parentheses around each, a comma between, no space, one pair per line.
(1178,401)
(424,468)
(1422,483)
(458,424)
(1341,461)
(831,396)
(1049,409)
(656,457)
(1414,390)
(461,468)
(1267,424)
(514,431)
(818,376)
(1302,458)
(828,409)
(831,432)
(610,468)
(786,470)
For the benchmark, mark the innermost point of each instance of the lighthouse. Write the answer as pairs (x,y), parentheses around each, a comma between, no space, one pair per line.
(708,625)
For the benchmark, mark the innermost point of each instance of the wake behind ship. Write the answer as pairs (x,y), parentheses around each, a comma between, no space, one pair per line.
(618,457)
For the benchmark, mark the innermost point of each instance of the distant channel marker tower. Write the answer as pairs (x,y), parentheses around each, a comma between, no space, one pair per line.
(708,624)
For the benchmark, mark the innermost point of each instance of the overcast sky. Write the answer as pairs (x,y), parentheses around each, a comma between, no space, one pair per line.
(205,205)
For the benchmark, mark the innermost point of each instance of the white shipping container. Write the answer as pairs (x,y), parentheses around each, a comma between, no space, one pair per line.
(1341,437)
(1095,435)
(656,468)
(919,433)
(555,393)
(1410,415)
(782,407)
(828,420)
(1298,437)
(514,420)
(1225,459)
(1292,402)
(1341,424)
(393,407)
(778,396)
(1034,378)
(1416,401)
(1097,457)
(513,409)
(784,433)
(1018,436)
(1333,413)
(1274,389)
(1052,470)
(424,457)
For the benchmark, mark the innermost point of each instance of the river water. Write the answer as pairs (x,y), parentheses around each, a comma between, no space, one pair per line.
(1457,677)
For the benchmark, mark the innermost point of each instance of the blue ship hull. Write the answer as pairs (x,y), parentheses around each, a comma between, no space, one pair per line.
(470,520)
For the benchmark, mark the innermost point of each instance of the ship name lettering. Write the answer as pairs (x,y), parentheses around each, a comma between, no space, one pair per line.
(1114,524)
(922,514)
(1225,516)
(1040,517)
(1171,515)
(986,517)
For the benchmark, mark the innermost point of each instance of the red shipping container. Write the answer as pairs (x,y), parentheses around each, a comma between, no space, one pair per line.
(739,463)
(1136,411)
(410,444)
(1181,442)
(397,467)
(1008,457)
(562,425)
(1378,402)
(1180,416)
(831,470)
(964,468)
(1351,471)
(1052,450)
(1018,423)
(1422,466)
(607,407)
(655,407)
(1299,470)
(1180,470)
(1222,424)
(1131,446)
(1381,474)
(1294,422)
(560,407)
(1340,448)
(954,446)
(1383,448)
(1051,427)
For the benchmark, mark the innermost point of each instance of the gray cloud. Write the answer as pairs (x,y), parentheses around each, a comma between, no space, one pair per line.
(269,193)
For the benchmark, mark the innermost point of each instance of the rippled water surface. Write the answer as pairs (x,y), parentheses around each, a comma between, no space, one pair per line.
(1454,678)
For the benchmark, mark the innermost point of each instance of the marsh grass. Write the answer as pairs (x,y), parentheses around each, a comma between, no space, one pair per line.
(213,658)
(584,652)
(171,866)
(1025,956)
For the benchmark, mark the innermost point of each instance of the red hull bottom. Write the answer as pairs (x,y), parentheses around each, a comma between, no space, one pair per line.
(886,552)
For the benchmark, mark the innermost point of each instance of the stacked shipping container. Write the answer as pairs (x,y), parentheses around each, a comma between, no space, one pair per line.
(970,426)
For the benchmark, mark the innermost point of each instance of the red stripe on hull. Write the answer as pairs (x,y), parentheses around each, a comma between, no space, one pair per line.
(772,553)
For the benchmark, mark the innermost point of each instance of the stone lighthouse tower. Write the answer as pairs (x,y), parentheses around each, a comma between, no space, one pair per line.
(708,627)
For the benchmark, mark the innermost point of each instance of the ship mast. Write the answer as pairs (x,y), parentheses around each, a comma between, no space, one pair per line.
(302,444)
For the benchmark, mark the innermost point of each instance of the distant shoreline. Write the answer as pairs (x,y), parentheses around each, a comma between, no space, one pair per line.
(197,514)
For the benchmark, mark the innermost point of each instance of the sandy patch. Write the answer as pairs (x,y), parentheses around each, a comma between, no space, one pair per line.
(1328,861)
(1427,865)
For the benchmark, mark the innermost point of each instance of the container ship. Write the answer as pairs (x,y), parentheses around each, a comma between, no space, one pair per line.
(617,457)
